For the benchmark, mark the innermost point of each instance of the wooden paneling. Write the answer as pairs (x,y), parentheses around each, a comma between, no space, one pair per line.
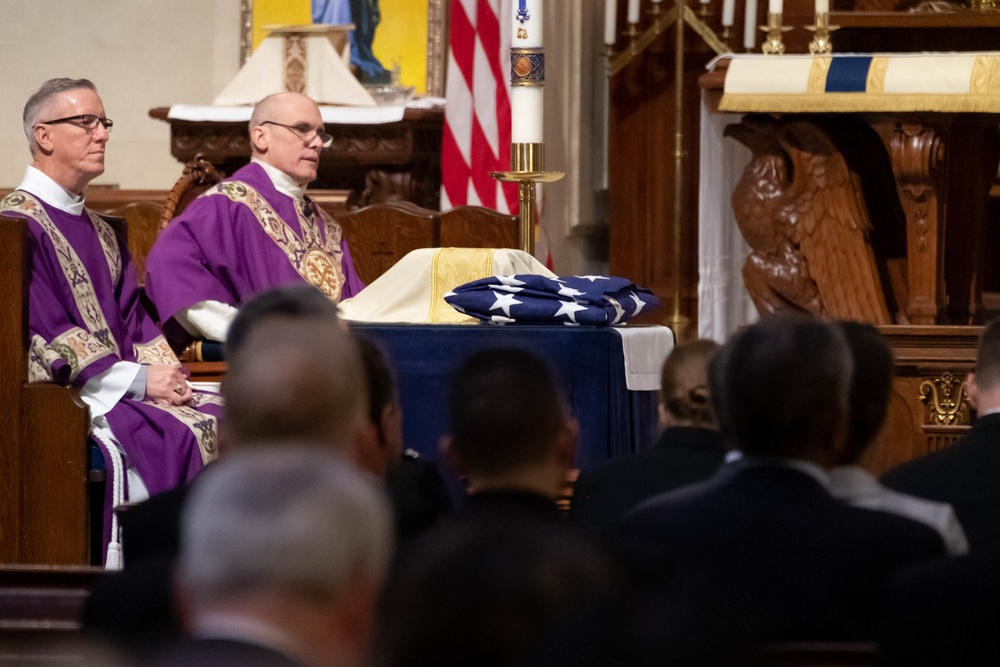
(13,373)
(931,363)
(641,171)
(55,525)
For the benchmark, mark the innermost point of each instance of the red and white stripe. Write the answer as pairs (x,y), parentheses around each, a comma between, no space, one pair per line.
(477,113)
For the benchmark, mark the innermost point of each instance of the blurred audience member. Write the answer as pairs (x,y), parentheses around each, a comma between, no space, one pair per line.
(283,553)
(689,450)
(871,387)
(762,552)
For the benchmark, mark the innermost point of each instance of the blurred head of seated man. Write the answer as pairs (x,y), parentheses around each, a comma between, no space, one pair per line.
(299,379)
(283,553)
(511,435)
(87,326)
(253,231)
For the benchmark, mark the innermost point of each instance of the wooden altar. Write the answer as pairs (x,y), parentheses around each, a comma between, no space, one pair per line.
(376,162)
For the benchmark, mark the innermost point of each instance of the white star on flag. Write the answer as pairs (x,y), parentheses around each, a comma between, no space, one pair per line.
(619,311)
(570,292)
(593,278)
(639,303)
(512,281)
(504,302)
(569,309)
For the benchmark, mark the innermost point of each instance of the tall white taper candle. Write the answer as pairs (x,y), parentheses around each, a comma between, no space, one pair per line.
(610,21)
(822,6)
(750,25)
(633,11)
(775,6)
(728,12)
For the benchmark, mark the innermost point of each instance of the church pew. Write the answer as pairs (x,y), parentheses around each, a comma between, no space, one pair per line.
(40,610)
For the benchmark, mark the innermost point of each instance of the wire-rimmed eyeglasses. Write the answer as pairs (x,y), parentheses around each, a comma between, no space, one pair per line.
(305,133)
(87,121)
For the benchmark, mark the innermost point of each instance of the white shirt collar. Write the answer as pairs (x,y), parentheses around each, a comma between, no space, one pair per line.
(42,186)
(807,467)
(852,482)
(283,183)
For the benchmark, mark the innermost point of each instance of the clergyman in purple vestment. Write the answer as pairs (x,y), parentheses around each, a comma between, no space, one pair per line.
(252,232)
(87,325)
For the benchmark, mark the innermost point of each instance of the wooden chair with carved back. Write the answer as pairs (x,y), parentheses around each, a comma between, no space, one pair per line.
(379,235)
(44,463)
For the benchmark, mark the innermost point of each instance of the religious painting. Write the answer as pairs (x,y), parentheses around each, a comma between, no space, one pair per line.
(399,41)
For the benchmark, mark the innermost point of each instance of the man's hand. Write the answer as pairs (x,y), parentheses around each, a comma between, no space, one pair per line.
(167,383)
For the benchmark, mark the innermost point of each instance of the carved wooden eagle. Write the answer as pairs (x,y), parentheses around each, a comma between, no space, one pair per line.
(802,211)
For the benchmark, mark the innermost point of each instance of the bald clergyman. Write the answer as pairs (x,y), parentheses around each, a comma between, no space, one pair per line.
(253,231)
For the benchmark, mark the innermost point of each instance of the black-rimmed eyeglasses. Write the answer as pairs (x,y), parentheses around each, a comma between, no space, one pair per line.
(305,133)
(87,121)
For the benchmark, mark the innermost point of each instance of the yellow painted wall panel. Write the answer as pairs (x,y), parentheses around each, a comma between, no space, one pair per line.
(278,12)
(403,34)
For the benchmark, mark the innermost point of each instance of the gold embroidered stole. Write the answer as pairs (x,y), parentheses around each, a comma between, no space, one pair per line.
(315,258)
(81,347)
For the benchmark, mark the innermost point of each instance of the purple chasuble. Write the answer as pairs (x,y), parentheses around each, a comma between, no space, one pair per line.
(219,250)
(166,445)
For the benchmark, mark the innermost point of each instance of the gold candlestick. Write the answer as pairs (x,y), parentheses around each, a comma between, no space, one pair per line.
(774,45)
(727,37)
(633,34)
(527,168)
(821,41)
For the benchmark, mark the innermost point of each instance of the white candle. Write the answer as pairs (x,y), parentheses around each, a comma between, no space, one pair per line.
(633,11)
(822,6)
(774,6)
(527,109)
(610,21)
(750,25)
(527,103)
(728,12)
(705,2)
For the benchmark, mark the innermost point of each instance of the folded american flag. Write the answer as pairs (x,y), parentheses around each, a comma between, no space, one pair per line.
(535,299)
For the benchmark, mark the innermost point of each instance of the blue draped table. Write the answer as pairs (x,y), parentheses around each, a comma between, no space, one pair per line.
(589,361)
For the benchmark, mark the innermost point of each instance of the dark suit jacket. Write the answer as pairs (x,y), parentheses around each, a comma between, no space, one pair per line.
(764,553)
(223,653)
(965,476)
(605,494)
(945,613)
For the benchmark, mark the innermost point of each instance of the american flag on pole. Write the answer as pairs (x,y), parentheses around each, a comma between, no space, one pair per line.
(477,113)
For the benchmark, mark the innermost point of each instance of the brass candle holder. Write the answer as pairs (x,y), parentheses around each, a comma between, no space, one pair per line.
(527,168)
(774,44)
(982,5)
(727,37)
(821,41)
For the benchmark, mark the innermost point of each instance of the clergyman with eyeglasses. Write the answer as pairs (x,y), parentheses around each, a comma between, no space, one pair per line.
(253,231)
(88,327)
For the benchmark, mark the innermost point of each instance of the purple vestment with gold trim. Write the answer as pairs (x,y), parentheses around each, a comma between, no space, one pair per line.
(225,248)
(84,316)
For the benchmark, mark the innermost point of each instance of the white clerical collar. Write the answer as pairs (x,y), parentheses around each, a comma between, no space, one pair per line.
(42,186)
(283,183)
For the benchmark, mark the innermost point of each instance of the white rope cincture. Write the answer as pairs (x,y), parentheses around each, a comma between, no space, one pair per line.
(114,559)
